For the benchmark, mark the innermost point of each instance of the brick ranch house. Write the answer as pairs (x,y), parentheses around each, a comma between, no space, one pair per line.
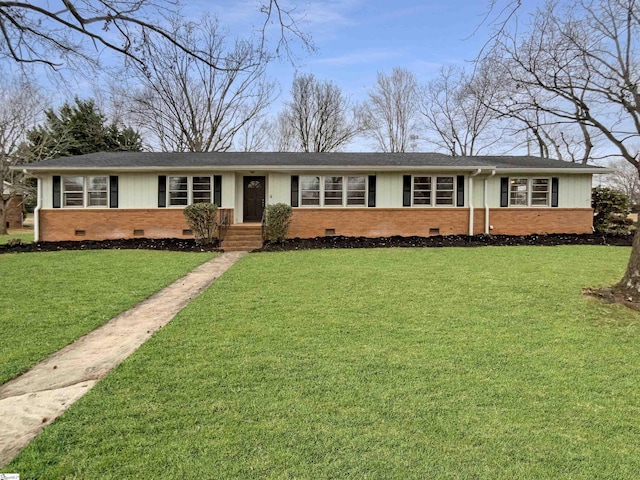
(124,195)
(14,216)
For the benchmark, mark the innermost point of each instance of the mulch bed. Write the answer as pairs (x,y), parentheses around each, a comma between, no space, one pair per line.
(189,245)
(173,244)
(447,241)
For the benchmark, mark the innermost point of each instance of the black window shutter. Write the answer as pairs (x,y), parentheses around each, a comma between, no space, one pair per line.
(57,191)
(295,180)
(460,192)
(504,191)
(406,190)
(217,190)
(372,191)
(162,191)
(554,191)
(113,191)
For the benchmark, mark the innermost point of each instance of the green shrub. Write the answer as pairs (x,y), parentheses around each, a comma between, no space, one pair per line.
(277,220)
(202,219)
(611,209)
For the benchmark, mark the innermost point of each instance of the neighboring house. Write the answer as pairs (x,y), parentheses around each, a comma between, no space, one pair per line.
(124,195)
(14,208)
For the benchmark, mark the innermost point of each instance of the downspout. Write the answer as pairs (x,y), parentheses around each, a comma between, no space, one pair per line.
(486,202)
(36,211)
(471,200)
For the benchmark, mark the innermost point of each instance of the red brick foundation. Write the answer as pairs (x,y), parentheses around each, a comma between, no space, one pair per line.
(97,224)
(109,224)
(379,222)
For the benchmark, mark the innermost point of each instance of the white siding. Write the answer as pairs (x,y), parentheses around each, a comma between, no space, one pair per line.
(574,191)
(389,190)
(279,188)
(137,190)
(47,191)
(228,190)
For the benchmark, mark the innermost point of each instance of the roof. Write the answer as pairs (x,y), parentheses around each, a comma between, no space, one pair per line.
(132,161)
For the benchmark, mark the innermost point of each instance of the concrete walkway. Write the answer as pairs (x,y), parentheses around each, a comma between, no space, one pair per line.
(35,399)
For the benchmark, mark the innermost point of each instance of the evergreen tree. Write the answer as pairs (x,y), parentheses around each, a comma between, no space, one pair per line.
(79,129)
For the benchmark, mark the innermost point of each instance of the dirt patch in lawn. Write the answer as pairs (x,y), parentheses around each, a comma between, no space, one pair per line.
(609,295)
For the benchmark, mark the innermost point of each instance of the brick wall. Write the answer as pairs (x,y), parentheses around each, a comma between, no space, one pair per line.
(98,224)
(383,222)
(14,212)
(105,224)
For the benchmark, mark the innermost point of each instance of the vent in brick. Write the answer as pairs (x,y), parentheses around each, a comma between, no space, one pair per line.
(434,231)
(80,233)
(329,231)
(138,233)
(187,232)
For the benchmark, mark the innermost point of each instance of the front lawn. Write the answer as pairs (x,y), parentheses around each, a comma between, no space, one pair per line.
(398,363)
(48,300)
(26,236)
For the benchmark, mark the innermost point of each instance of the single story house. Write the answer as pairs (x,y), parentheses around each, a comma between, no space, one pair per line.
(14,215)
(139,194)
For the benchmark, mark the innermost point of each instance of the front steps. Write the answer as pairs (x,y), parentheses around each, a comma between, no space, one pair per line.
(242,237)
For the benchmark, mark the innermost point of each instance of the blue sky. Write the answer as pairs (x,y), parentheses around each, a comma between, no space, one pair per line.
(355,39)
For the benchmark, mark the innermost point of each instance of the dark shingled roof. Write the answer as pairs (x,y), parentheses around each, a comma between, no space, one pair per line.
(115,160)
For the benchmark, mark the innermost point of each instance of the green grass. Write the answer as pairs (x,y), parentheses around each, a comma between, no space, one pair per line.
(399,363)
(50,299)
(26,237)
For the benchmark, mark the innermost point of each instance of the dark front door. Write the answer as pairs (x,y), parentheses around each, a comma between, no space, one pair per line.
(253,199)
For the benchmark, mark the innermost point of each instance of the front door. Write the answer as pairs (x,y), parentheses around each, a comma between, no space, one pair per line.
(253,199)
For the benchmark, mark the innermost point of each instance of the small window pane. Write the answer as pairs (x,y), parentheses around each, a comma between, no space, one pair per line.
(97,191)
(333,191)
(201,189)
(518,190)
(178,191)
(540,192)
(72,191)
(422,190)
(356,190)
(444,190)
(309,190)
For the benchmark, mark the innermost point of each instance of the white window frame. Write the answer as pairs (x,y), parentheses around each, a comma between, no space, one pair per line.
(345,191)
(434,189)
(530,181)
(189,189)
(84,193)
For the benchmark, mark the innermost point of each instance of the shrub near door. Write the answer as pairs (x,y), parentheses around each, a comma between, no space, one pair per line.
(277,219)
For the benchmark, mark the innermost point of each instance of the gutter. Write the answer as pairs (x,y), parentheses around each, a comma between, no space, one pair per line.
(486,202)
(471,199)
(36,211)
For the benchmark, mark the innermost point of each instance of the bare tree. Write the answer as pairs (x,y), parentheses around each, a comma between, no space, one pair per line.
(625,178)
(457,111)
(188,105)
(254,136)
(585,55)
(75,30)
(318,117)
(21,106)
(392,110)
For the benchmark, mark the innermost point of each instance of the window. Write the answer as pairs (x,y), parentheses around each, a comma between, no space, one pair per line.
(357,191)
(333,191)
(424,194)
(310,191)
(529,192)
(97,191)
(79,192)
(422,190)
(73,191)
(178,191)
(201,189)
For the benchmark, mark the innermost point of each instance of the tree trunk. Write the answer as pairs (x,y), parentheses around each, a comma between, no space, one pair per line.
(630,283)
